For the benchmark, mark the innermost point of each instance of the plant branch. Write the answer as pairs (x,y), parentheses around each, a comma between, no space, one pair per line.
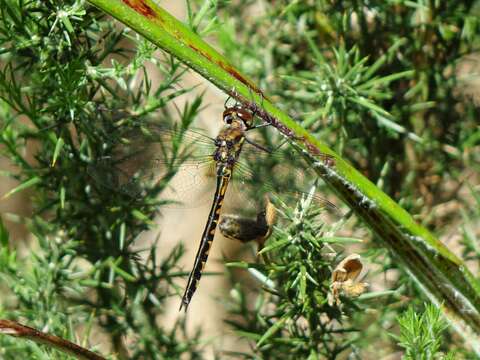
(13,328)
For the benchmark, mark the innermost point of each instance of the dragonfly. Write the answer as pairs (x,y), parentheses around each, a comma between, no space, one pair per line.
(223,152)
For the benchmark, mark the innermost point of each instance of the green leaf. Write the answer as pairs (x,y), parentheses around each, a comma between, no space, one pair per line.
(25,185)
(275,245)
(274,328)
(58,148)
(370,105)
(248,335)
(341,240)
(121,239)
(119,271)
(303,283)
(141,216)
(4,236)
(377,294)
(62,197)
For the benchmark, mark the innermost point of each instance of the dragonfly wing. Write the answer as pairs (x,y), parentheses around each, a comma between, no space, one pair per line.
(283,175)
(174,162)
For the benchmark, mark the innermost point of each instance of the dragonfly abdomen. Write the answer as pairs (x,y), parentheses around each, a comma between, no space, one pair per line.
(207,239)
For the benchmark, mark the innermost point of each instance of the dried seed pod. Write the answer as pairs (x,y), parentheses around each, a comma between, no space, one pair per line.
(244,229)
(344,279)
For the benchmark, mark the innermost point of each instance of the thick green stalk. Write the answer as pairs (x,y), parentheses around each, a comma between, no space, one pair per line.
(439,273)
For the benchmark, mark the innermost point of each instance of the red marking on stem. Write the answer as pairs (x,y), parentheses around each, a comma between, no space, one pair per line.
(239,77)
(228,68)
(200,51)
(141,7)
(314,150)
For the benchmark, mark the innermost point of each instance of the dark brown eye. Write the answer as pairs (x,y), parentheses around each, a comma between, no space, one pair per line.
(228,119)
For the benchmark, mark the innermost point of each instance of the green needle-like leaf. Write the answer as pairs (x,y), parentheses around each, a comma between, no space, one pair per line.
(25,185)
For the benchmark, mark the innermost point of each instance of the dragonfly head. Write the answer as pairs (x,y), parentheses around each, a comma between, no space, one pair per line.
(238,113)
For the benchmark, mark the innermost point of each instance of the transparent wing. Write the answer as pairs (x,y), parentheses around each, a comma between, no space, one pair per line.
(176,161)
(179,163)
(281,173)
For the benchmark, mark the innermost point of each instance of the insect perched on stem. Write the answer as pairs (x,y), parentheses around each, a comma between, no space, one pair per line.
(229,144)
(157,154)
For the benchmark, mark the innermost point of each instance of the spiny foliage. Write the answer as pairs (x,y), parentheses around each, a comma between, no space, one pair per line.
(72,82)
(295,315)
(421,335)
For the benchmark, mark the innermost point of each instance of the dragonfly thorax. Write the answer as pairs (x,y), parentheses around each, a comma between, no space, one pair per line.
(229,142)
(227,152)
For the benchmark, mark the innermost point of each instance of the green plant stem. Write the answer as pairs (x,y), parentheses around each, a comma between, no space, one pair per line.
(439,273)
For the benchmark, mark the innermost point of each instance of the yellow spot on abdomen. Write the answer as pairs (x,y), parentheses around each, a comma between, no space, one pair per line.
(223,190)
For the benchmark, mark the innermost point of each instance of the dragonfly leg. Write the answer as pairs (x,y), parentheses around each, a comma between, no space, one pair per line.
(260,126)
(260,147)
(226,101)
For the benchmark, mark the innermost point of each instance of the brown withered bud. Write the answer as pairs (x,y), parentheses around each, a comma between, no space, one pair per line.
(244,229)
(344,279)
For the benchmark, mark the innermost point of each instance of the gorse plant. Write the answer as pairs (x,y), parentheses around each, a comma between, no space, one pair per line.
(294,316)
(421,335)
(71,84)
(378,81)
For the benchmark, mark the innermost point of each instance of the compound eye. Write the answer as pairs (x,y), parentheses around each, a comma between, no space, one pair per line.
(228,119)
